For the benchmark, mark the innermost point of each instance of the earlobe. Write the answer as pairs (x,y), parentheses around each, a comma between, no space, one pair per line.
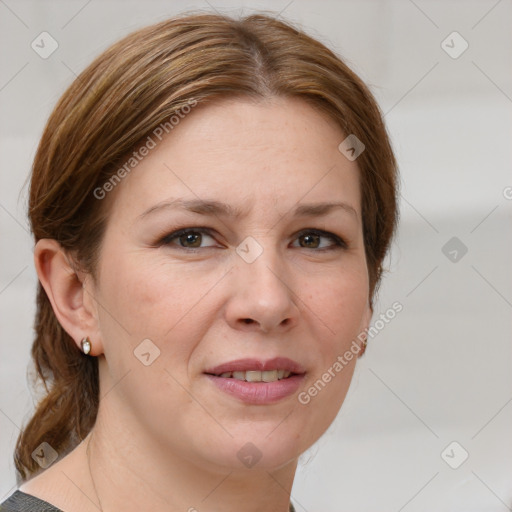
(66,292)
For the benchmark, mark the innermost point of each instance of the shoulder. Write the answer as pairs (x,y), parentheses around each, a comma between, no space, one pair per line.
(20,501)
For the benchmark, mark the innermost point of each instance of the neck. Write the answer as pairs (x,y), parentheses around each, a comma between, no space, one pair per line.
(132,472)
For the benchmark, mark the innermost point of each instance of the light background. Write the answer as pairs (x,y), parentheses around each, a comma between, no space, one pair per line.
(440,371)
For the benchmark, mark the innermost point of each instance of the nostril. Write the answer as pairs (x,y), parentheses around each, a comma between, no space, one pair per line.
(248,320)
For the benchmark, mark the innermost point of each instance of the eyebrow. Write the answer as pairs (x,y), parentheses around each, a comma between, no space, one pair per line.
(211,207)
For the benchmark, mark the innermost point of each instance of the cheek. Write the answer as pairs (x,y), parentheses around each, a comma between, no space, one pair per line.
(338,307)
(146,299)
(339,299)
(153,298)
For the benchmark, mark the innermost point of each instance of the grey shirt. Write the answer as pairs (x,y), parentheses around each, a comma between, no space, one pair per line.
(20,501)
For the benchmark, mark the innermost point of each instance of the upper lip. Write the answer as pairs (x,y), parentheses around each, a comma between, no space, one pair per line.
(242,365)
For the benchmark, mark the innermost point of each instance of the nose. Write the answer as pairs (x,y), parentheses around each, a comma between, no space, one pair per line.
(262,298)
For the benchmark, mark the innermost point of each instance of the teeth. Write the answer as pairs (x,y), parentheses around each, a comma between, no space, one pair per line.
(253,376)
(270,376)
(258,376)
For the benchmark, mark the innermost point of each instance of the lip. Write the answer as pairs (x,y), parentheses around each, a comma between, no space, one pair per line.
(258,393)
(243,365)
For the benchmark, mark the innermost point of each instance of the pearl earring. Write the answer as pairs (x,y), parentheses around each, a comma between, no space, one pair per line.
(86,345)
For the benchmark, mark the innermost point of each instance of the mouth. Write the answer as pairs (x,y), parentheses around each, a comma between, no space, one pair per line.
(258,370)
(256,375)
(256,381)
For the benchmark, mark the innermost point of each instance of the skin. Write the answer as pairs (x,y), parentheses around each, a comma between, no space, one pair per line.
(165,436)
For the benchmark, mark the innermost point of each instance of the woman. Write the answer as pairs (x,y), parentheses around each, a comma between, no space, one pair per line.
(211,202)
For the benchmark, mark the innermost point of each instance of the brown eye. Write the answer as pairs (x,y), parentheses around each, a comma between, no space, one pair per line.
(313,239)
(191,239)
(310,241)
(188,239)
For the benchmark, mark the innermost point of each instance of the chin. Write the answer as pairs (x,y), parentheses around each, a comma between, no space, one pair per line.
(255,449)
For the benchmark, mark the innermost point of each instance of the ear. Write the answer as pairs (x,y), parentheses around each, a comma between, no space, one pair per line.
(365,325)
(73,306)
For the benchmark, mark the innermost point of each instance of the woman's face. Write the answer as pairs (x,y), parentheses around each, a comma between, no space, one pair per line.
(263,271)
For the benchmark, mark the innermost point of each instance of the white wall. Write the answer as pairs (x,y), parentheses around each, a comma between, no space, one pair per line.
(440,371)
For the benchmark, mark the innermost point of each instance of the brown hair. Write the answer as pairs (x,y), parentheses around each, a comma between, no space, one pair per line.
(114,104)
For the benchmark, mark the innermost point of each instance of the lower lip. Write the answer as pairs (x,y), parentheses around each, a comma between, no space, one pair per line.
(258,393)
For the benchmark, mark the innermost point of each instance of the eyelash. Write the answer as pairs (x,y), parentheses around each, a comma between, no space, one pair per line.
(339,243)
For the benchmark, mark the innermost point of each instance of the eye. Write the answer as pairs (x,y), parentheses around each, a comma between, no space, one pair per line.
(312,239)
(193,238)
(187,238)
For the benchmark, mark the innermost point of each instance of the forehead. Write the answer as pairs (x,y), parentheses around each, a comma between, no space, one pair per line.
(272,153)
